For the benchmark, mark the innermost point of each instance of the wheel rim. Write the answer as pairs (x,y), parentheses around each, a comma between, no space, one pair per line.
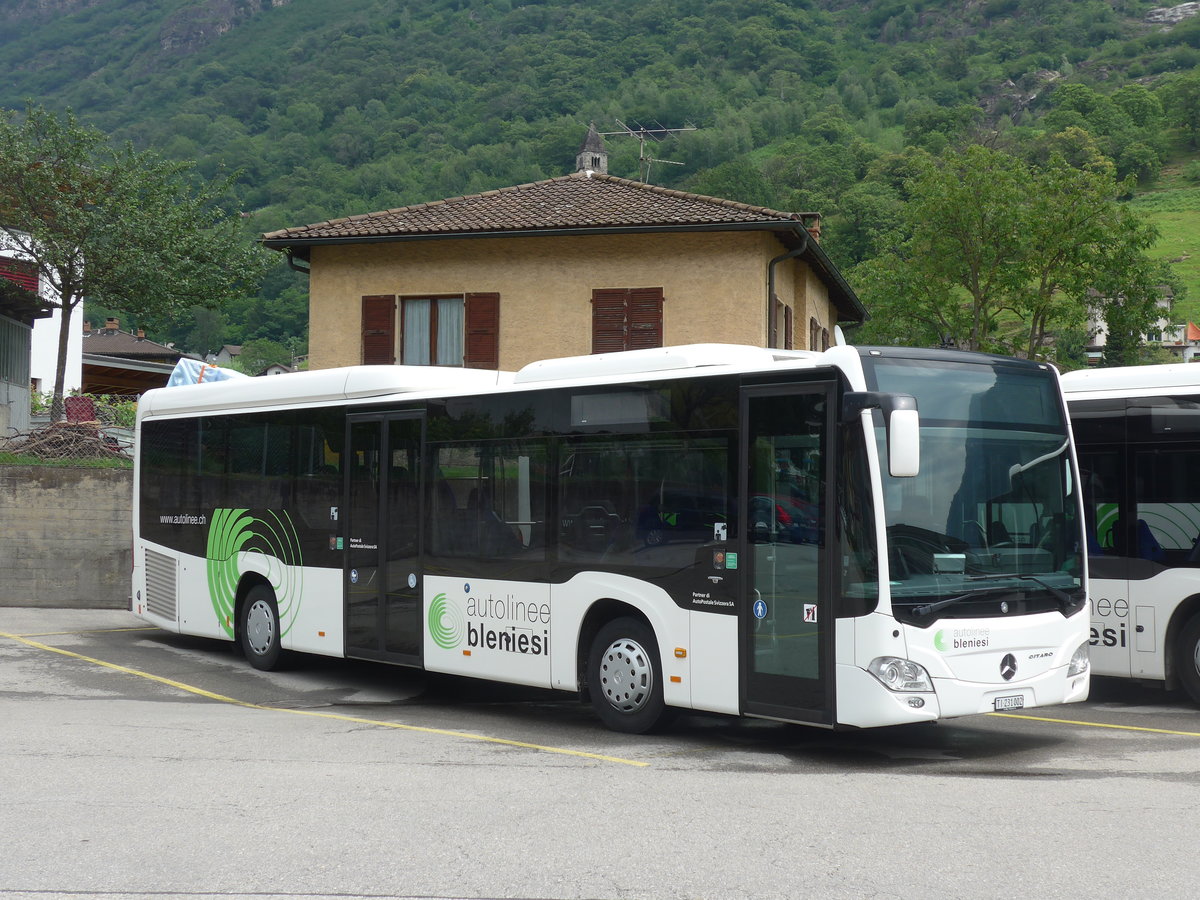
(626,676)
(1196,657)
(260,627)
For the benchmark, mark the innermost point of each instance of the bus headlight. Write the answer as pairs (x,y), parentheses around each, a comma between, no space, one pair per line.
(900,675)
(1079,662)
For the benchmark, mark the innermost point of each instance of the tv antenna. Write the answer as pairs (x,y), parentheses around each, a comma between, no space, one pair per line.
(644,135)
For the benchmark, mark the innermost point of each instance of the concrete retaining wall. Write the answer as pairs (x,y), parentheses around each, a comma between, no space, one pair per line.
(65,537)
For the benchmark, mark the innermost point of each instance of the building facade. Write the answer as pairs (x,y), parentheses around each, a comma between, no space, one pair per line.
(584,263)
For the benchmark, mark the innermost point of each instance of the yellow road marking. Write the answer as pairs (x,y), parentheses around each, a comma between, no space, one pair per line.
(86,631)
(192,689)
(1097,724)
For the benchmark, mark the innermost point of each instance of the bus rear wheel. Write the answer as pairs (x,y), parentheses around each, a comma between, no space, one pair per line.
(258,628)
(1187,658)
(625,677)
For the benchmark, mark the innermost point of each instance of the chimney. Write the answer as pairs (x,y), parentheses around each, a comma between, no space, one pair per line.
(813,226)
(141,334)
(87,327)
(112,325)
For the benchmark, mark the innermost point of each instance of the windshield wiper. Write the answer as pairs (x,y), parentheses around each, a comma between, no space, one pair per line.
(1059,594)
(929,608)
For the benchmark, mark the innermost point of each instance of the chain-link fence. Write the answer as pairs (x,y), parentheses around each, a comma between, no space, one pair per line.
(95,431)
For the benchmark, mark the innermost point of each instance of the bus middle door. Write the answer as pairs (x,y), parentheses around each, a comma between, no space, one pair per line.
(383,537)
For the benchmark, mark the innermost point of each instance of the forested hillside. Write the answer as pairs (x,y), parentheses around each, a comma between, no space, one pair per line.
(330,109)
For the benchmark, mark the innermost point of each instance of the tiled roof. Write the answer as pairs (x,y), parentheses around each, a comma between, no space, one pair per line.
(122,344)
(582,200)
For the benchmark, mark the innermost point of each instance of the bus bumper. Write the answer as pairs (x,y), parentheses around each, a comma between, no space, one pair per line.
(875,705)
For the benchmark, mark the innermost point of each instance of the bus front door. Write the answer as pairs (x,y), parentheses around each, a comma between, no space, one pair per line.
(786,619)
(383,538)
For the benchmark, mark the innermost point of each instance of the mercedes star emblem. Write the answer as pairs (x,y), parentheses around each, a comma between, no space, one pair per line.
(1008,667)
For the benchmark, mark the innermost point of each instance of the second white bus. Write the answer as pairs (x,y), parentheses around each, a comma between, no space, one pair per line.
(1138,435)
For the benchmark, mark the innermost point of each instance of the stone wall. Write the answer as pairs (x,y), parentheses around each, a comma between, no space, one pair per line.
(66,537)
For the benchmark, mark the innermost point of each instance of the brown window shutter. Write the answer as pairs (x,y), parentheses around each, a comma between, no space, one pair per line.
(379,329)
(645,318)
(787,328)
(626,319)
(608,320)
(482,331)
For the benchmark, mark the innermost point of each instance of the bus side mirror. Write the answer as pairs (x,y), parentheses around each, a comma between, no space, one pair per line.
(901,422)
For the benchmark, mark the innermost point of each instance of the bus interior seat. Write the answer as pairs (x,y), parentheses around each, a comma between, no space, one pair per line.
(1147,544)
(1193,557)
(998,534)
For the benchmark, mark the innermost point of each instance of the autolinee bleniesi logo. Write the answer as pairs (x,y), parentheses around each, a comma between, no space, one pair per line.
(234,532)
(963,639)
(446,625)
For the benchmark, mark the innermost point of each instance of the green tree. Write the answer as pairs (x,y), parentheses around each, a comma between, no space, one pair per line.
(208,333)
(735,180)
(1003,255)
(256,355)
(1181,102)
(118,226)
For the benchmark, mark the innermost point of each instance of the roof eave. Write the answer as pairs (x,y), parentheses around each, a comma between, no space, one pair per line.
(292,243)
(846,301)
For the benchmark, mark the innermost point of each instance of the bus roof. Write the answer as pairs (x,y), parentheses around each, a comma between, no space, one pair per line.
(656,359)
(324,385)
(364,382)
(1131,381)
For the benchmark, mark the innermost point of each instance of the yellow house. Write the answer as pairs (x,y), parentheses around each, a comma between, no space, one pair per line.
(584,263)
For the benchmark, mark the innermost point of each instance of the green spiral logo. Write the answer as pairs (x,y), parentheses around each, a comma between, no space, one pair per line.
(446,625)
(234,531)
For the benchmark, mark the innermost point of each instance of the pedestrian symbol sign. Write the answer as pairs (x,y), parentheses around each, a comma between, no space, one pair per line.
(760,609)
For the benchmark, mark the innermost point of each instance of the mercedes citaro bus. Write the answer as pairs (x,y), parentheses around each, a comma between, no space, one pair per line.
(853,538)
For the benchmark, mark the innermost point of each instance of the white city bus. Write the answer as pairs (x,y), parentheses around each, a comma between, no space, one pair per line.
(1137,430)
(708,527)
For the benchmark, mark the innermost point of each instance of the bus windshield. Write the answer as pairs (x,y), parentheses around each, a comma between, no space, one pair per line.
(990,525)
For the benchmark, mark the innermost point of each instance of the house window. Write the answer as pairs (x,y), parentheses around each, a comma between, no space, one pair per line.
(432,329)
(626,319)
(462,330)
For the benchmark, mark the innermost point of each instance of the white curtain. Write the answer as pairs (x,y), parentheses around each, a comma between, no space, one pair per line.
(450,332)
(416,332)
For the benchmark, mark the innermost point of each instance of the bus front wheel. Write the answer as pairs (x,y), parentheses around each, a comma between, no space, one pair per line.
(258,630)
(1187,658)
(625,677)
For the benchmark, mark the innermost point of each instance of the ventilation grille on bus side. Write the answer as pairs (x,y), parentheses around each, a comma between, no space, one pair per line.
(161,585)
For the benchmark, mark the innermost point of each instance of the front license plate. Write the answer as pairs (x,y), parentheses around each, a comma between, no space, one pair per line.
(1014,702)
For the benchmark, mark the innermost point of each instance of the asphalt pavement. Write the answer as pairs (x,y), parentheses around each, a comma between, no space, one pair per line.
(139,764)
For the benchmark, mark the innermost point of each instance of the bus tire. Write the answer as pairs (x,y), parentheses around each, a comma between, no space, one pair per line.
(625,677)
(258,628)
(1187,658)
